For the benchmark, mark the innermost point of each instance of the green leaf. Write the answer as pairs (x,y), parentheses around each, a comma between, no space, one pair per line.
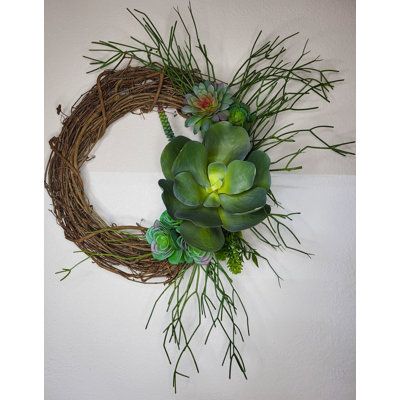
(192,158)
(239,177)
(172,204)
(176,257)
(244,202)
(169,154)
(212,200)
(207,239)
(225,143)
(262,162)
(187,190)
(189,110)
(201,216)
(238,222)
(191,121)
(206,123)
(216,172)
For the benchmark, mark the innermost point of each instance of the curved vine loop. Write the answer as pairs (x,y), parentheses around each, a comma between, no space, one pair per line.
(119,249)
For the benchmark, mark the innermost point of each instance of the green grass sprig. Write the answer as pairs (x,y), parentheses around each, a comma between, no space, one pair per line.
(271,86)
(67,271)
(182,61)
(210,291)
(266,81)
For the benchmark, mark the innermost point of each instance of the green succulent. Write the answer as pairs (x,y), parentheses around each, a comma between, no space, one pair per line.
(194,255)
(168,222)
(163,245)
(208,104)
(215,184)
(239,114)
(167,243)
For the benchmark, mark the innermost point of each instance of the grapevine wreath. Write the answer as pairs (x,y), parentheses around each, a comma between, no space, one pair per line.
(216,190)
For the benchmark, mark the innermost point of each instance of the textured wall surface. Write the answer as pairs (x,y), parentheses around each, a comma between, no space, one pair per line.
(303,334)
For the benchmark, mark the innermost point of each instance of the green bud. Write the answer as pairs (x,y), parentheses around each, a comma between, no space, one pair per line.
(238,114)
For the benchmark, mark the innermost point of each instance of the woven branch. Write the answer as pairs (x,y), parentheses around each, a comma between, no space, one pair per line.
(119,249)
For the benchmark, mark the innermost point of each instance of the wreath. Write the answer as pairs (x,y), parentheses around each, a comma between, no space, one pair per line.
(216,190)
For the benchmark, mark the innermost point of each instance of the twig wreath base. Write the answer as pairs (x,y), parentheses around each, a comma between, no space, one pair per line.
(118,249)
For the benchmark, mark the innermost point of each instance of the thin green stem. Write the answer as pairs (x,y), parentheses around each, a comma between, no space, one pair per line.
(189,292)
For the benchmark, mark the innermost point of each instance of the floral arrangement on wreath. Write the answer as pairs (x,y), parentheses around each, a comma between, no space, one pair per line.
(217,190)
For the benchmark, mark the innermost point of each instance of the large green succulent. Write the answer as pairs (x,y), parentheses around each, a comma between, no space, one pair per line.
(215,184)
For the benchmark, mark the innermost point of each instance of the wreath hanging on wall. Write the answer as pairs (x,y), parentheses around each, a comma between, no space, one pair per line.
(216,190)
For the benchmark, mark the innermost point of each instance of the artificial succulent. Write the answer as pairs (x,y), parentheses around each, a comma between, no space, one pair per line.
(215,184)
(208,104)
(167,243)
(193,255)
(163,244)
(239,114)
(232,252)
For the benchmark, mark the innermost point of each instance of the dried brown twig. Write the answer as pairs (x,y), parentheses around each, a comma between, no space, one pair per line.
(119,249)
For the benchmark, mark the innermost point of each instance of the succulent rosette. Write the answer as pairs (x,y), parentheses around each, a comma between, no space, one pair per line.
(214,185)
(239,114)
(163,245)
(167,243)
(198,256)
(193,255)
(208,104)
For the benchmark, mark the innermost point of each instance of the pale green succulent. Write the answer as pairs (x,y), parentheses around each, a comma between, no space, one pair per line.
(215,184)
(167,243)
(163,244)
(194,255)
(168,222)
(208,104)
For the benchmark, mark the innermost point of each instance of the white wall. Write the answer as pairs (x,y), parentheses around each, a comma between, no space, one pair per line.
(302,335)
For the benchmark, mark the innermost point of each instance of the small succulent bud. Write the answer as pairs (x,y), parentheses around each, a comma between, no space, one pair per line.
(238,114)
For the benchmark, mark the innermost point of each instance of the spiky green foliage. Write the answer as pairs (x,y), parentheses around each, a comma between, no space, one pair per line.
(209,291)
(271,85)
(182,61)
(232,252)
(267,82)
